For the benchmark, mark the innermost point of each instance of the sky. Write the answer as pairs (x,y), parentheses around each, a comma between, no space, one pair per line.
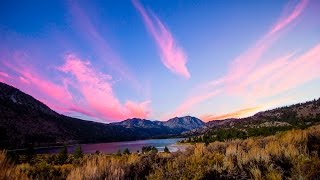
(108,61)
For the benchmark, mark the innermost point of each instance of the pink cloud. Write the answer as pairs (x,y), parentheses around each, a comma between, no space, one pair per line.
(96,88)
(30,81)
(172,55)
(3,74)
(296,71)
(24,80)
(276,77)
(283,22)
(139,110)
(82,111)
(58,92)
(247,61)
(258,74)
(243,70)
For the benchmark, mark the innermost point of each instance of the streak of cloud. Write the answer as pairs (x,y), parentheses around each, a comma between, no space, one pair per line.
(172,55)
(87,29)
(186,105)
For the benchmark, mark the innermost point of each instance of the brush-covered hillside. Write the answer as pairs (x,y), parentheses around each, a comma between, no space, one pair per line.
(297,116)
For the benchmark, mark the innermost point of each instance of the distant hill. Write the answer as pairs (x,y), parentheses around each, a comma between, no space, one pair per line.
(298,116)
(25,120)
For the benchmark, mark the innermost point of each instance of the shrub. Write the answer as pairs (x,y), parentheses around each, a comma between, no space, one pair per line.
(78,153)
(126,151)
(63,155)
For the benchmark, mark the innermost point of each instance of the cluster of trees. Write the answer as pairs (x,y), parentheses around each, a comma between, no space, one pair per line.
(234,133)
(126,151)
(63,155)
(146,149)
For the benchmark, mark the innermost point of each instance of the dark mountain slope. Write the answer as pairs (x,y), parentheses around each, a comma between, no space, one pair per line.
(25,120)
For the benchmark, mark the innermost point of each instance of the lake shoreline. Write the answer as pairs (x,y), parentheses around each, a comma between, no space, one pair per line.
(58,145)
(109,147)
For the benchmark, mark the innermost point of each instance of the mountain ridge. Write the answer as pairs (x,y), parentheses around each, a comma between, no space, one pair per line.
(25,120)
(180,124)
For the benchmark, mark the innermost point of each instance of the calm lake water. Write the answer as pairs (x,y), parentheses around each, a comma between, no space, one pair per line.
(113,147)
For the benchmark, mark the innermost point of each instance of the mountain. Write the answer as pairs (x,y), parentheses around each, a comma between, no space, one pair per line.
(139,123)
(174,126)
(25,120)
(185,123)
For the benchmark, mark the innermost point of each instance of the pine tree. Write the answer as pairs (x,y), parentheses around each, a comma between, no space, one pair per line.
(154,149)
(126,151)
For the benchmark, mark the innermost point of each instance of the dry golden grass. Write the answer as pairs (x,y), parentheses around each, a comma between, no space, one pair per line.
(9,171)
(289,155)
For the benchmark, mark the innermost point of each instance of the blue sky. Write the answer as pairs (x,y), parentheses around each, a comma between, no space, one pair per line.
(112,60)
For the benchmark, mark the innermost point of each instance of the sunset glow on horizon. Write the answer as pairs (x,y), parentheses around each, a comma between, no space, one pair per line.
(108,61)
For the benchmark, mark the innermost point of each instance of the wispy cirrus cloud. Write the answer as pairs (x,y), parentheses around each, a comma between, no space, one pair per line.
(3,76)
(250,80)
(99,43)
(236,114)
(172,55)
(290,73)
(285,20)
(186,105)
(244,63)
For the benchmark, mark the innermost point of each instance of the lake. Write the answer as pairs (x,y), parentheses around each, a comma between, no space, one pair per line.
(113,147)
